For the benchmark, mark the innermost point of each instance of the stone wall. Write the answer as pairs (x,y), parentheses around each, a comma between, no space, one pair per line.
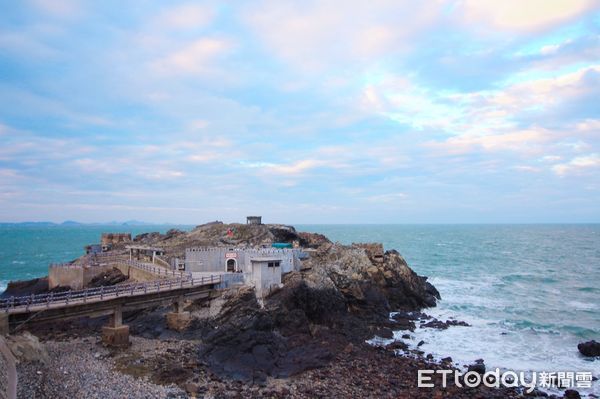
(74,276)
(215,259)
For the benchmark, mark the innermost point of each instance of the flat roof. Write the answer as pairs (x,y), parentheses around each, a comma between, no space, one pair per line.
(144,247)
(266,259)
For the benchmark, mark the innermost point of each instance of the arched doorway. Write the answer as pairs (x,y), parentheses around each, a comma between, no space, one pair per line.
(231,263)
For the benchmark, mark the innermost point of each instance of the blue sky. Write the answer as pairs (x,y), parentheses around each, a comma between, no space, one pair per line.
(303,112)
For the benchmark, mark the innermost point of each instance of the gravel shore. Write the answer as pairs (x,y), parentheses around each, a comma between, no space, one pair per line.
(83,368)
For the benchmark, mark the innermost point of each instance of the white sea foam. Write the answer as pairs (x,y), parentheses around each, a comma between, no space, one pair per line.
(582,306)
(501,346)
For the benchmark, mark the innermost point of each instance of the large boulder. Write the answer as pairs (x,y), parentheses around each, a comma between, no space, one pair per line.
(590,348)
(26,347)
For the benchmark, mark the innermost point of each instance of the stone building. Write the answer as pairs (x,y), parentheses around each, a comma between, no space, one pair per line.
(232,260)
(259,267)
(266,274)
(109,240)
(253,219)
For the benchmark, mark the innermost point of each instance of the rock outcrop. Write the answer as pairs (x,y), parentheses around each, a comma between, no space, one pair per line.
(590,348)
(26,287)
(108,278)
(343,295)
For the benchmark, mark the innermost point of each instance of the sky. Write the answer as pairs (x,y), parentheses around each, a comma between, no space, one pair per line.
(472,111)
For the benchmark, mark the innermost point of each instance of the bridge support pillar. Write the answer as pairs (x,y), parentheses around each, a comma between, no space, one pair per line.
(116,334)
(178,320)
(4,328)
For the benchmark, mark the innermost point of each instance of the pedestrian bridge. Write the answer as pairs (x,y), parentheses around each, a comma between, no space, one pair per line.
(168,287)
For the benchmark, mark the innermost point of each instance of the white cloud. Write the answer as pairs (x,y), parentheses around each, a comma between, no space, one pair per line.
(312,35)
(186,16)
(295,168)
(197,57)
(59,8)
(519,141)
(523,16)
(387,198)
(487,120)
(578,165)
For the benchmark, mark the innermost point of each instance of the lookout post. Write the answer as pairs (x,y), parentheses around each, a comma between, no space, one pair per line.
(253,219)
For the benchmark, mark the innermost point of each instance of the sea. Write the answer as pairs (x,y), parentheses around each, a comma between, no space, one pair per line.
(531,293)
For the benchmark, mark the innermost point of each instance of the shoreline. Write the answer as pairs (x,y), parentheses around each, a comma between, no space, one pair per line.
(320,319)
(151,368)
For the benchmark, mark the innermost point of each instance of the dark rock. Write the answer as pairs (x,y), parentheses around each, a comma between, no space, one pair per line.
(447,360)
(313,240)
(111,277)
(420,343)
(536,393)
(384,332)
(405,336)
(413,316)
(248,345)
(404,324)
(26,287)
(571,394)
(478,367)
(590,348)
(435,323)
(397,345)
(441,325)
(457,323)
(282,233)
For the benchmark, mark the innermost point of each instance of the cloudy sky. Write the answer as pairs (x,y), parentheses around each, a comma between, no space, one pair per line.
(301,111)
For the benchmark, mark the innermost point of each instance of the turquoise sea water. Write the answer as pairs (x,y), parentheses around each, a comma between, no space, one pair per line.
(26,251)
(531,292)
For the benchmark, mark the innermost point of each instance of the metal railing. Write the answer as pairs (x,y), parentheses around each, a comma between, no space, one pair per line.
(92,260)
(91,295)
(229,279)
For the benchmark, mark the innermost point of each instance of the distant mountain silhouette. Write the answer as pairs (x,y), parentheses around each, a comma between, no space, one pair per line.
(72,223)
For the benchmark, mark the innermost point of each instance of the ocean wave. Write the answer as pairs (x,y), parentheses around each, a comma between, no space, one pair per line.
(589,289)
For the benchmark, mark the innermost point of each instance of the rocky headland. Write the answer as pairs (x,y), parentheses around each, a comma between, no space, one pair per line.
(307,339)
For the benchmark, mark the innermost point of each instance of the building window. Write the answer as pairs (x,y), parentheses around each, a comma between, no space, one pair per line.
(273,264)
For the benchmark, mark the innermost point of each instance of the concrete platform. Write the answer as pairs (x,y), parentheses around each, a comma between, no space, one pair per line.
(178,321)
(117,337)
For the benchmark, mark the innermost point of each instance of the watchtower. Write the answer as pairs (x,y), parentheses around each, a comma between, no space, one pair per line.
(254,220)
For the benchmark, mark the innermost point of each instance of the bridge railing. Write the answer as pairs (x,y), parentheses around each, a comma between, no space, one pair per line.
(92,260)
(53,299)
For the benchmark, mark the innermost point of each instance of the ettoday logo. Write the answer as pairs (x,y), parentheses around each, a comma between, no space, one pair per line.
(507,379)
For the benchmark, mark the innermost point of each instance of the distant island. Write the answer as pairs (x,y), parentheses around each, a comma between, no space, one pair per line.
(293,314)
(68,223)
